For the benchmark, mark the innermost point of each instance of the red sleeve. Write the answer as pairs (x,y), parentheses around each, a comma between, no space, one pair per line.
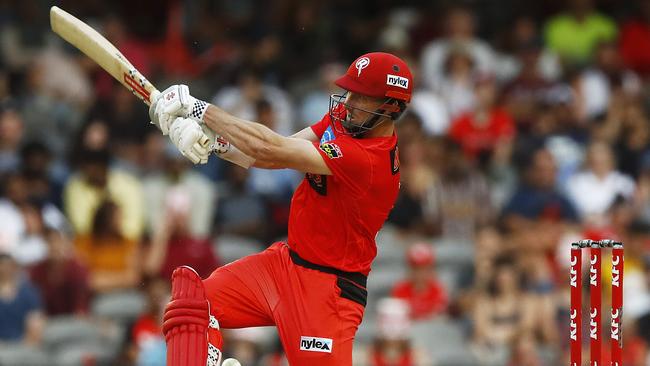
(348,162)
(320,126)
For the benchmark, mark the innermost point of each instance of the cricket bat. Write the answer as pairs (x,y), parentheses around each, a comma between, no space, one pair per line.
(100,50)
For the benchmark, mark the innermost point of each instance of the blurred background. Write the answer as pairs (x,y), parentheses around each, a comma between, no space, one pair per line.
(528,129)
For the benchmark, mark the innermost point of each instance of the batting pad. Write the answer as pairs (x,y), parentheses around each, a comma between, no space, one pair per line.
(186,320)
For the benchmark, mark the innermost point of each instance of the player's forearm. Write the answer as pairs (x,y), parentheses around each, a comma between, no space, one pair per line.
(253,139)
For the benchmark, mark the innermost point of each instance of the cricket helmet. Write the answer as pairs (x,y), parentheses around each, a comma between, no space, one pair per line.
(379,75)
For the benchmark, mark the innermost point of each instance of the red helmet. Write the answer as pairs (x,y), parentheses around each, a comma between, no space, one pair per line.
(378,74)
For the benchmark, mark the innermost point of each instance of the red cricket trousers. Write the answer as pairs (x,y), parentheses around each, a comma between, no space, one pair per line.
(316,313)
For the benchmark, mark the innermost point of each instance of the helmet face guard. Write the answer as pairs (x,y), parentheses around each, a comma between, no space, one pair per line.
(338,111)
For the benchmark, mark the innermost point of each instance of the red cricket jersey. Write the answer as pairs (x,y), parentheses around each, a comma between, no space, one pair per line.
(334,218)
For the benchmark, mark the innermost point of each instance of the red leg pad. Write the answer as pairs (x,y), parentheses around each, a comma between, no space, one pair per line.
(186,320)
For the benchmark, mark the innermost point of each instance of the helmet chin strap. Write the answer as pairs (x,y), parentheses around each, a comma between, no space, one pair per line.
(358,130)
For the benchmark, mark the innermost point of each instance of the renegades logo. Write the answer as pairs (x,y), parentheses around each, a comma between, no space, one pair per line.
(361,64)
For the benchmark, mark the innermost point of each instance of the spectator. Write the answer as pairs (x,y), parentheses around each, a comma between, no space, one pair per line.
(525,352)
(490,245)
(61,278)
(437,57)
(312,107)
(525,46)
(479,132)
(458,202)
(637,292)
(125,120)
(573,35)
(634,41)
(607,74)
(392,345)
(277,184)
(456,88)
(96,181)
(147,342)
(240,100)
(239,211)
(13,222)
(32,247)
(44,111)
(246,345)
(429,107)
(527,90)
(112,258)
(11,134)
(21,317)
(502,311)
(417,176)
(536,199)
(44,187)
(276,357)
(642,194)
(595,189)
(425,296)
(178,175)
(640,339)
(626,128)
(172,242)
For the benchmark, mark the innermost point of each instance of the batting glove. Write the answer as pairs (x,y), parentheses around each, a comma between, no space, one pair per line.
(190,139)
(174,102)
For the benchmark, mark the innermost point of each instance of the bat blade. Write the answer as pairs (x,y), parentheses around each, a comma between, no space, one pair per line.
(100,50)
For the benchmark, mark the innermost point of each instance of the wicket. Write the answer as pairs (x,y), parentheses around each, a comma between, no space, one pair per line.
(595,305)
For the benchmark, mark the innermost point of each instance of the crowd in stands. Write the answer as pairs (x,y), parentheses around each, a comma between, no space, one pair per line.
(529,128)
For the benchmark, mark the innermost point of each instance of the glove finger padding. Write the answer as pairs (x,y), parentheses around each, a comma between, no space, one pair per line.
(164,120)
(190,140)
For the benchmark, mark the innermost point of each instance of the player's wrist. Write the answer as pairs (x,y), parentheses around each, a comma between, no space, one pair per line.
(197,109)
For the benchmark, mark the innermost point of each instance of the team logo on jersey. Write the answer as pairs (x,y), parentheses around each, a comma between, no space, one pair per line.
(315,344)
(361,64)
(333,151)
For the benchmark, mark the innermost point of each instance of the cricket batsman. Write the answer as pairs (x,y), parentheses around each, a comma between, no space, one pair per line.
(312,287)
